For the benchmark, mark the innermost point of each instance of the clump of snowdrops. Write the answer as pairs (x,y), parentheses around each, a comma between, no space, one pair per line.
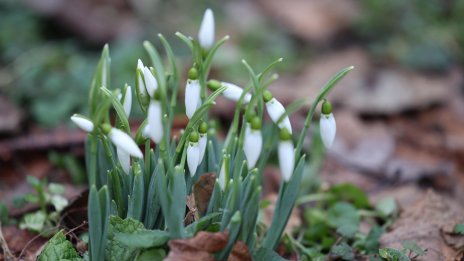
(154,185)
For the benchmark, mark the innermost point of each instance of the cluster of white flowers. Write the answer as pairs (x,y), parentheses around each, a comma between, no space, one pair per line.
(147,87)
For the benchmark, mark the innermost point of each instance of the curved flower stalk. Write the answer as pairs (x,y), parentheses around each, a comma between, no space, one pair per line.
(155,119)
(193,153)
(82,122)
(328,127)
(253,142)
(233,92)
(203,129)
(122,141)
(206,32)
(275,109)
(192,93)
(286,154)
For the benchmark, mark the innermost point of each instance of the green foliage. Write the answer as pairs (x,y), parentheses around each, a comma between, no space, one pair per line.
(343,251)
(409,252)
(459,229)
(43,221)
(59,248)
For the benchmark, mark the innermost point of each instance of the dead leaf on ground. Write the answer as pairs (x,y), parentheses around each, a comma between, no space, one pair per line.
(23,241)
(240,252)
(200,247)
(424,223)
(313,20)
(294,221)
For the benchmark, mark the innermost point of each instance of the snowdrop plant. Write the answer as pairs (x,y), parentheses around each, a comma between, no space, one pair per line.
(153,186)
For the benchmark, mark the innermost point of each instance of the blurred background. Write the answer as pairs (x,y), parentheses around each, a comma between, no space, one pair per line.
(400,113)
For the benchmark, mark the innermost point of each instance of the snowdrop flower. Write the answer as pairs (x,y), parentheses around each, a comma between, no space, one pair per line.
(124,159)
(140,81)
(232,91)
(193,153)
(327,124)
(275,109)
(155,119)
(206,32)
(286,154)
(224,172)
(202,129)
(82,122)
(192,93)
(122,141)
(253,142)
(127,101)
(150,81)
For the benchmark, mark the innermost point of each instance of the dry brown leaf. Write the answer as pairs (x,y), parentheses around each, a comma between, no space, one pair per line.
(202,191)
(424,223)
(240,252)
(314,20)
(200,247)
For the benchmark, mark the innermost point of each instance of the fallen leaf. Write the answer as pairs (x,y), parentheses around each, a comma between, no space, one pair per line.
(423,223)
(240,252)
(200,247)
(202,191)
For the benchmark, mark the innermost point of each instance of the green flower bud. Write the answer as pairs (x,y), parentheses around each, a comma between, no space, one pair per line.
(193,73)
(255,123)
(194,137)
(106,128)
(285,134)
(203,128)
(213,85)
(267,96)
(157,95)
(326,107)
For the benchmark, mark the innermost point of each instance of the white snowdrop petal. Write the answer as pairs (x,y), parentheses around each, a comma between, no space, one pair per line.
(192,97)
(82,122)
(233,92)
(206,32)
(252,146)
(124,159)
(193,157)
(125,142)
(286,159)
(150,81)
(127,104)
(146,131)
(141,83)
(202,145)
(155,121)
(275,109)
(328,129)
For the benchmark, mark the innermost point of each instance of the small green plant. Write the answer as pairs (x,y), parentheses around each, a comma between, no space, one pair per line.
(410,251)
(146,194)
(44,221)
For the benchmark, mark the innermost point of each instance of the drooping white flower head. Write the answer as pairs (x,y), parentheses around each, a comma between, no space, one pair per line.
(206,32)
(146,131)
(150,81)
(328,127)
(140,81)
(82,122)
(233,92)
(286,155)
(202,130)
(224,173)
(193,153)
(124,159)
(275,109)
(127,102)
(192,93)
(123,141)
(155,121)
(253,142)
